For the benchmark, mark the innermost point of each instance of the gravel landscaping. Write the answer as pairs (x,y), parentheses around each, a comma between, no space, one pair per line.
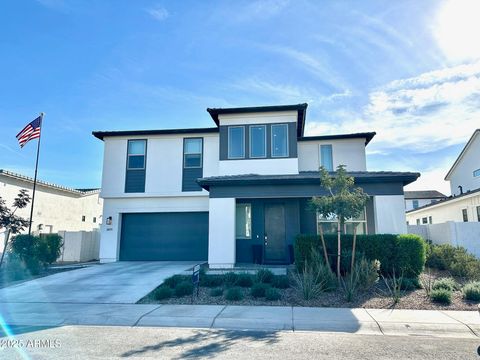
(376,297)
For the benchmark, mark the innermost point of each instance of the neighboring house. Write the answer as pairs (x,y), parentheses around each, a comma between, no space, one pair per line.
(464,204)
(416,199)
(464,176)
(57,208)
(234,193)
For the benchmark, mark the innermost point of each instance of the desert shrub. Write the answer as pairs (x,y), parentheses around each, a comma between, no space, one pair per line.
(409,284)
(184,288)
(367,272)
(174,280)
(49,248)
(400,253)
(234,294)
(264,276)
(245,280)
(258,290)
(393,285)
(162,292)
(457,260)
(471,291)
(441,257)
(445,283)
(212,280)
(441,296)
(281,282)
(314,279)
(350,285)
(230,279)
(215,292)
(272,294)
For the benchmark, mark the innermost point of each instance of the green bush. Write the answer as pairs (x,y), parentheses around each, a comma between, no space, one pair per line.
(265,276)
(234,294)
(441,257)
(212,280)
(49,248)
(25,247)
(471,291)
(281,282)
(409,284)
(258,290)
(162,292)
(441,296)
(457,260)
(230,279)
(445,283)
(14,268)
(184,288)
(272,294)
(245,280)
(400,253)
(174,280)
(215,292)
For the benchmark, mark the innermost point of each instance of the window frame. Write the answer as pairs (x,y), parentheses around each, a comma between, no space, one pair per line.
(249,205)
(284,125)
(250,142)
(229,142)
(476,173)
(465,215)
(185,153)
(321,155)
(144,155)
(415,204)
(424,220)
(363,222)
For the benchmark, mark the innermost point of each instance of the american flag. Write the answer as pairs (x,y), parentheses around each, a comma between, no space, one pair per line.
(30,132)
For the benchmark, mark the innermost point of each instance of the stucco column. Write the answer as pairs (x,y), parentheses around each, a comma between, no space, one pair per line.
(110,234)
(390,214)
(221,233)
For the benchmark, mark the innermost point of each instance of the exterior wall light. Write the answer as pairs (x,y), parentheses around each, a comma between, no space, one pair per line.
(109,220)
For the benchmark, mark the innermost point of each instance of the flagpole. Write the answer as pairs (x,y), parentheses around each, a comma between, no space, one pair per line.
(35,177)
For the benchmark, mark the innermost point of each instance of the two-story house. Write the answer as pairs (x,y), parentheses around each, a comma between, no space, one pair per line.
(419,198)
(219,194)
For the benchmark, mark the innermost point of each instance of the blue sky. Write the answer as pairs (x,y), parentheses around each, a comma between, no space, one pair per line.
(409,70)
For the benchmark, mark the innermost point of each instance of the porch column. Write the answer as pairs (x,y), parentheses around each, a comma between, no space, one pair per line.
(390,214)
(221,233)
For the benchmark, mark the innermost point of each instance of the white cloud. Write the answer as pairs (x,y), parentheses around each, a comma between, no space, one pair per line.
(423,113)
(433,178)
(261,9)
(158,13)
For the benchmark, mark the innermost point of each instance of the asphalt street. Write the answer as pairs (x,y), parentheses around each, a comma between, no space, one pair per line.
(96,342)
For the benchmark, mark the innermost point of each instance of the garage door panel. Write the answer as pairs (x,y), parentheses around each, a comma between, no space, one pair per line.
(164,236)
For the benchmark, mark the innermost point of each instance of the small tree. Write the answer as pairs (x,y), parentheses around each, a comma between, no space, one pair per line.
(344,200)
(13,224)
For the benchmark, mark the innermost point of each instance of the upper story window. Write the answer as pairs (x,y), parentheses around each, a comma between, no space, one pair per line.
(280,140)
(476,173)
(236,142)
(258,141)
(464,215)
(192,153)
(415,204)
(326,157)
(136,154)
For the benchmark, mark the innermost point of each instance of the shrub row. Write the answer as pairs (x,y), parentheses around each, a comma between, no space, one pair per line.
(457,260)
(400,254)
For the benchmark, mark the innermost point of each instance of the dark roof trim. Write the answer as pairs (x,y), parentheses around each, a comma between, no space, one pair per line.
(424,194)
(102,134)
(368,136)
(300,108)
(307,177)
(450,198)
(464,150)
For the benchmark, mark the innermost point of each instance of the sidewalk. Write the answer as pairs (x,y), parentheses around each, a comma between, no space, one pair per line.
(462,324)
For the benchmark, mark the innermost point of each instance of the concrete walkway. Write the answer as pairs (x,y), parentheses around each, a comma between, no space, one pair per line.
(456,324)
(119,282)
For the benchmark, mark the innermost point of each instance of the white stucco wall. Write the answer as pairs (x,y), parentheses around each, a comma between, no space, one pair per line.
(259,166)
(110,234)
(54,209)
(164,164)
(463,172)
(448,211)
(221,233)
(258,118)
(349,152)
(389,214)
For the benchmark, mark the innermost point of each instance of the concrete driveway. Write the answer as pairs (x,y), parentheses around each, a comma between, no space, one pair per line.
(114,283)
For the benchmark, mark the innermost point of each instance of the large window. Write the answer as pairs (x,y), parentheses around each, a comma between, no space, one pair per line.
(192,153)
(136,154)
(243,221)
(326,157)
(329,225)
(476,173)
(236,142)
(280,140)
(464,215)
(258,141)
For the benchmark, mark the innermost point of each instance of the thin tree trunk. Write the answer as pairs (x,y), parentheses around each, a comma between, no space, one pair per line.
(353,247)
(4,247)
(325,254)
(339,247)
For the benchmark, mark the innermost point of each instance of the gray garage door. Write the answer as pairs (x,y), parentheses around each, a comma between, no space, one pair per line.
(164,236)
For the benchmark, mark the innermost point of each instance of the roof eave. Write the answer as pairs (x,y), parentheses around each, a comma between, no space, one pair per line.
(474,135)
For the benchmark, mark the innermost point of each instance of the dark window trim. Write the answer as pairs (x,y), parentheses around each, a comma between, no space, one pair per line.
(144,167)
(285,125)
(249,204)
(478,213)
(144,155)
(228,142)
(250,127)
(201,154)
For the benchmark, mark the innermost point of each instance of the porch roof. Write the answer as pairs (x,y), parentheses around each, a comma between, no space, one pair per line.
(307,177)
